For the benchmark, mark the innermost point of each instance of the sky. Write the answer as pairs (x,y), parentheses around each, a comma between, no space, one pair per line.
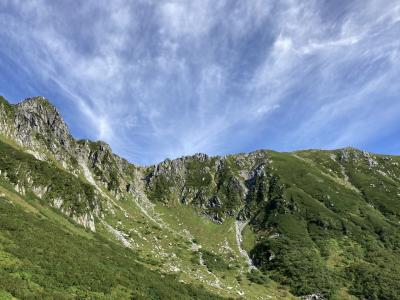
(162,79)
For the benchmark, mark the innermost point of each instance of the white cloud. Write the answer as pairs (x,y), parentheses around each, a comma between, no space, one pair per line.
(175,77)
(184,17)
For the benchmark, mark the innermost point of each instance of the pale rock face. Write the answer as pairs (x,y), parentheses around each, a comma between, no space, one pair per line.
(20,189)
(39,129)
(316,296)
(36,154)
(38,115)
(239,226)
(57,203)
(86,220)
(39,191)
(118,235)
(88,175)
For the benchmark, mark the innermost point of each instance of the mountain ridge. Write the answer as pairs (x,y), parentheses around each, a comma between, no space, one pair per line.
(48,103)
(317,222)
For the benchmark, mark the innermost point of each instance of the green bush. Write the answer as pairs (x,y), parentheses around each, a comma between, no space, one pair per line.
(257,277)
(214,262)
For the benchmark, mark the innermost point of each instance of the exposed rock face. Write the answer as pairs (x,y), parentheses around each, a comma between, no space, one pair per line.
(316,296)
(37,121)
(217,185)
(38,128)
(239,226)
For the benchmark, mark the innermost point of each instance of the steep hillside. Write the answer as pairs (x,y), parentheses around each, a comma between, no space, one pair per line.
(321,222)
(44,257)
(263,225)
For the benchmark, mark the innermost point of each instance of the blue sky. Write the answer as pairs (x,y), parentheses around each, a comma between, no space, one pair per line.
(158,79)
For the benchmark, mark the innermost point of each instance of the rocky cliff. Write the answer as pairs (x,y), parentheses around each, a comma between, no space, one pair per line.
(37,127)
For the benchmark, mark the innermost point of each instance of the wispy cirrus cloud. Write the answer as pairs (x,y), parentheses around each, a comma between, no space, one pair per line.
(168,78)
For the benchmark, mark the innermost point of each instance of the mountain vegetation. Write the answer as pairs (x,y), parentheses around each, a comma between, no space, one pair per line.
(78,221)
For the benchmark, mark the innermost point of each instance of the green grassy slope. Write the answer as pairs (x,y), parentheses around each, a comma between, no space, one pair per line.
(331,224)
(46,255)
(41,258)
(22,169)
(320,222)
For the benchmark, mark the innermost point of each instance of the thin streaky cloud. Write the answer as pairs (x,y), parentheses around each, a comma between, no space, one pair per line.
(159,79)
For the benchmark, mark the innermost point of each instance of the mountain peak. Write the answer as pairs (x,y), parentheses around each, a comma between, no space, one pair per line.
(37,103)
(37,116)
